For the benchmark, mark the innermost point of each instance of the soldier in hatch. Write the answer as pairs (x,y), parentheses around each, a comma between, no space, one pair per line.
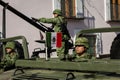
(59,25)
(80,50)
(10,56)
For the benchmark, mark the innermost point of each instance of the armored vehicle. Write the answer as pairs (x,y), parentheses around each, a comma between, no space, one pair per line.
(35,68)
(107,68)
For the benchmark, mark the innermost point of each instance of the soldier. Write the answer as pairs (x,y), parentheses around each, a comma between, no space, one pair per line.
(10,57)
(80,50)
(59,25)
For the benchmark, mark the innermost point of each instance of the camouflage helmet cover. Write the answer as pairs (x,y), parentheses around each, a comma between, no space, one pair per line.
(82,41)
(10,45)
(57,11)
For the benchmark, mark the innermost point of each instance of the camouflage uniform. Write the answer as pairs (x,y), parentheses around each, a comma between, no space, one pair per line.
(82,41)
(59,25)
(10,57)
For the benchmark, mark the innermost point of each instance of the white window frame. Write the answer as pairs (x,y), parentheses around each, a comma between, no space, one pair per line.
(107,10)
(79,7)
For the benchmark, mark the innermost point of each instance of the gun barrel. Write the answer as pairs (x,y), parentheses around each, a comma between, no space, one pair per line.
(21,15)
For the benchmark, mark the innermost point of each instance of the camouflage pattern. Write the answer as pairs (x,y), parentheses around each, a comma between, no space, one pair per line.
(62,52)
(82,41)
(10,45)
(75,57)
(57,11)
(9,58)
(59,25)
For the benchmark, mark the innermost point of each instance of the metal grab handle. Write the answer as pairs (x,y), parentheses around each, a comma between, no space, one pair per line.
(70,76)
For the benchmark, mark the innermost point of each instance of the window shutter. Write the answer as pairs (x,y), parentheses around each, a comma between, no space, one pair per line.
(68,8)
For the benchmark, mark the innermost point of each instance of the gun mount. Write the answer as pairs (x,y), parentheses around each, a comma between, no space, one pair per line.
(21,15)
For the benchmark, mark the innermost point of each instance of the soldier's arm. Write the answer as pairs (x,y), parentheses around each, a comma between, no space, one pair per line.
(48,20)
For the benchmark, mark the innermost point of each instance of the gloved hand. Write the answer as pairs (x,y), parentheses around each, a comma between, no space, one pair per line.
(34,19)
(70,43)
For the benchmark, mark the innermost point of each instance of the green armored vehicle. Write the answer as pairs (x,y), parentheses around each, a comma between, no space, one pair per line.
(53,69)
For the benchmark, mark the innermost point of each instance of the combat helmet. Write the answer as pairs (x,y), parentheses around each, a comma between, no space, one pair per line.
(10,45)
(82,41)
(57,11)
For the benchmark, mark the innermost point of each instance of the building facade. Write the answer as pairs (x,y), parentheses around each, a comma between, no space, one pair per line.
(80,14)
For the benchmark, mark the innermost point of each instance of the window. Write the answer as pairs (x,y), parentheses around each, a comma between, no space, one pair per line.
(112,10)
(115,10)
(70,8)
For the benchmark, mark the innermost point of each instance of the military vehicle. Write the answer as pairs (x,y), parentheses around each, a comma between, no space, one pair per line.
(53,69)
(35,68)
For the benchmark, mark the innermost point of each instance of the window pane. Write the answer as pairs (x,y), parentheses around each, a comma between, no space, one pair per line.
(57,4)
(68,8)
(115,9)
(72,8)
(119,9)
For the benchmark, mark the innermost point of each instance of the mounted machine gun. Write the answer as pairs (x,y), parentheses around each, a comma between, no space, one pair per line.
(21,15)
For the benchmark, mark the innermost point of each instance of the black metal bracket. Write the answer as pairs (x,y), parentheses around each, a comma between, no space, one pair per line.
(70,76)
(18,69)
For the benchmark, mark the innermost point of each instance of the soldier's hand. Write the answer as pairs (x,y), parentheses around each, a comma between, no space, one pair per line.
(70,43)
(50,29)
(70,40)
(34,19)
